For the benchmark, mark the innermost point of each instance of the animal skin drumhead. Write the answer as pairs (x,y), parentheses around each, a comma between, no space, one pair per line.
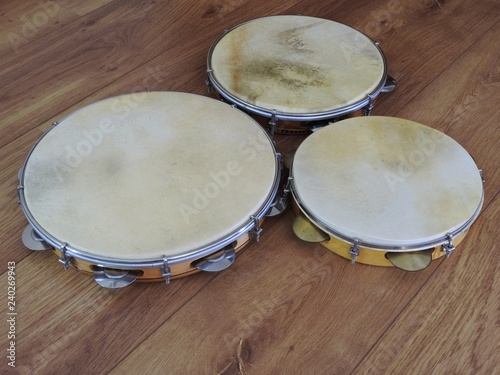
(147,175)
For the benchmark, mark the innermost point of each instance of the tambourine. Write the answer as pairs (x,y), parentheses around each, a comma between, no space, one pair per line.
(384,191)
(149,186)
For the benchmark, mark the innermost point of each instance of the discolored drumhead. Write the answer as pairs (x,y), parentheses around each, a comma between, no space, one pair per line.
(388,182)
(296,65)
(147,175)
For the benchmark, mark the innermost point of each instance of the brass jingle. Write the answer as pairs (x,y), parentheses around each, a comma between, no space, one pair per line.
(411,261)
(307,231)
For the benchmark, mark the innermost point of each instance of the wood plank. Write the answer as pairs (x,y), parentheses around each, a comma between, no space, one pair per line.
(82,8)
(428,36)
(24,22)
(452,324)
(296,308)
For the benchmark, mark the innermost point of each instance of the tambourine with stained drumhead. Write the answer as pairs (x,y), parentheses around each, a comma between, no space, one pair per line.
(295,72)
(384,191)
(149,186)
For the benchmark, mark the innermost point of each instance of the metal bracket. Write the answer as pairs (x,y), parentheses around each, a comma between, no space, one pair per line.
(448,247)
(389,85)
(272,122)
(354,251)
(280,203)
(368,108)
(64,259)
(165,270)
(286,188)
(19,188)
(257,230)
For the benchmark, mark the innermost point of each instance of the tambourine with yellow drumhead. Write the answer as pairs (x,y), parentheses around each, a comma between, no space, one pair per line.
(293,71)
(149,186)
(384,191)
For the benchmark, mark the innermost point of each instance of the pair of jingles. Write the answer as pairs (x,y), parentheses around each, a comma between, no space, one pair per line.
(158,185)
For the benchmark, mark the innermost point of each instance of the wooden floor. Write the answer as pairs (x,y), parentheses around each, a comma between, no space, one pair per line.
(284,307)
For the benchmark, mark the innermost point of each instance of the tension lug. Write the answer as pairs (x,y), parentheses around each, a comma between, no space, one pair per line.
(257,230)
(165,270)
(65,259)
(354,251)
(448,246)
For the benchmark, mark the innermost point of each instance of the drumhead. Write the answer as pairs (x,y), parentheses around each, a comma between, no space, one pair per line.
(148,175)
(298,66)
(388,182)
